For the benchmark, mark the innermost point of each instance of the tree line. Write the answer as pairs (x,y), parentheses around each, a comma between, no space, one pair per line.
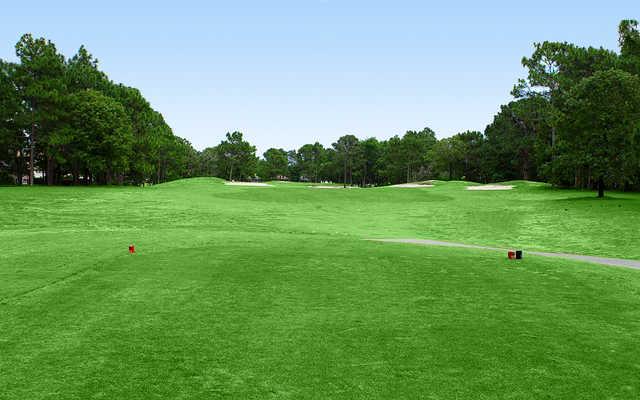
(349,160)
(64,118)
(574,122)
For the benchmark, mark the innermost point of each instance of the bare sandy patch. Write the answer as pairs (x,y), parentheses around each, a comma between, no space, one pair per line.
(247,184)
(490,187)
(325,187)
(333,187)
(412,185)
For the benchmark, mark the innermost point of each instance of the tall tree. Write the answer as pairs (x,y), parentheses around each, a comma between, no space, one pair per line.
(553,70)
(370,152)
(181,160)
(555,67)
(602,127)
(152,137)
(82,72)
(447,156)
(346,148)
(40,80)
(12,138)
(518,140)
(473,146)
(310,158)
(274,164)
(629,40)
(392,165)
(208,162)
(237,157)
(415,147)
(103,131)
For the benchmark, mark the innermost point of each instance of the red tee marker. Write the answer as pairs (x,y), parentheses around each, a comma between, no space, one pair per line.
(132,249)
(511,254)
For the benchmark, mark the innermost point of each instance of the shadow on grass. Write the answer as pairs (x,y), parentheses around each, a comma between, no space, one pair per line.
(593,198)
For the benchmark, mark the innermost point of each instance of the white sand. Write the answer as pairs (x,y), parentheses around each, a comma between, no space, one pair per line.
(411,185)
(333,187)
(247,184)
(490,187)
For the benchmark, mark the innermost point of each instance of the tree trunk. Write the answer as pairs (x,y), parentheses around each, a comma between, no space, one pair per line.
(364,175)
(344,181)
(231,173)
(32,149)
(525,165)
(553,149)
(600,187)
(18,168)
(50,170)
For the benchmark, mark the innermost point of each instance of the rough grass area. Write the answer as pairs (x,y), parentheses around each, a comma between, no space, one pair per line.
(241,292)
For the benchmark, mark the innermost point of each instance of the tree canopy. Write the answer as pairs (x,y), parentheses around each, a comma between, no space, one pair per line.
(574,122)
(602,135)
(65,119)
(236,157)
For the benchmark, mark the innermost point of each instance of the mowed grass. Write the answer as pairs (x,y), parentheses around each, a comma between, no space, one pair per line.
(270,292)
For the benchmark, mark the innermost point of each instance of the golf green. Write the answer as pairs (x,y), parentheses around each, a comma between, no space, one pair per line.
(271,292)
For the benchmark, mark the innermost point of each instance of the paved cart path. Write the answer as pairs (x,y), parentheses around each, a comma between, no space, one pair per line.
(619,262)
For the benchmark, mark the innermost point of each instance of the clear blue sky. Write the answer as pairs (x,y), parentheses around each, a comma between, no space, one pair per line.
(292,72)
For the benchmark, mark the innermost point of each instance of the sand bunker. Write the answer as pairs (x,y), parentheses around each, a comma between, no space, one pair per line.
(333,187)
(412,185)
(247,184)
(490,187)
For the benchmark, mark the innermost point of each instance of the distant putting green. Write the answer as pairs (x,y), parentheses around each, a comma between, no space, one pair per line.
(256,293)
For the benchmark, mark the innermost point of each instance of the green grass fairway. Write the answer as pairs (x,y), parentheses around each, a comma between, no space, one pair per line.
(271,293)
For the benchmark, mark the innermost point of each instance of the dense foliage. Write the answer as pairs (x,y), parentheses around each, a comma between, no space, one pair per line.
(575,121)
(66,119)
